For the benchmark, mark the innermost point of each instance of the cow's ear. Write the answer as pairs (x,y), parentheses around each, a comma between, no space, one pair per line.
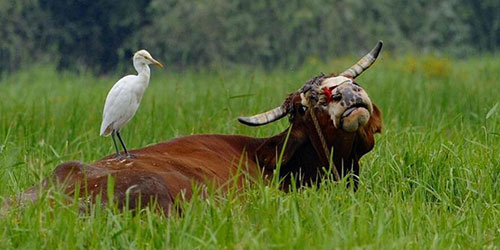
(365,140)
(375,122)
(268,153)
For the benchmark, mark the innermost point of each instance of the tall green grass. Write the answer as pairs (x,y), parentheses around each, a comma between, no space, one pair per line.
(432,180)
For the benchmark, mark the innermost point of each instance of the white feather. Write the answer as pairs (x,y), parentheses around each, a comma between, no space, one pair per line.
(124,98)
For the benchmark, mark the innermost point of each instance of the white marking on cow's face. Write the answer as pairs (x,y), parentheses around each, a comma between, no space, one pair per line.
(347,104)
(334,81)
(303,100)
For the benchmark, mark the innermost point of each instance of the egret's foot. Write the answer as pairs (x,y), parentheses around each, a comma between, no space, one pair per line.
(124,157)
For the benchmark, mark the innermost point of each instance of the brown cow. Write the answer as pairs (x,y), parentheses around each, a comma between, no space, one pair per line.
(328,113)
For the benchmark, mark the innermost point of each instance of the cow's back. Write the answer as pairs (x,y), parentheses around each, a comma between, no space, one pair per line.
(160,172)
(179,163)
(182,161)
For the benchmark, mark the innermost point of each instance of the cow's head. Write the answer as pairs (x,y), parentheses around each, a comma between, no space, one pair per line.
(345,116)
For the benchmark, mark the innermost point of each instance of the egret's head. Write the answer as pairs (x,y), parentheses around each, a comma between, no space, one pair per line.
(142,56)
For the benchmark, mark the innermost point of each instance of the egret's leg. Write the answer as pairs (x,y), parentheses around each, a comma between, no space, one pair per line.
(123,145)
(114,142)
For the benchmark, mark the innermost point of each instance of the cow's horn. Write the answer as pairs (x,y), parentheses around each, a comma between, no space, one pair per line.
(364,63)
(264,118)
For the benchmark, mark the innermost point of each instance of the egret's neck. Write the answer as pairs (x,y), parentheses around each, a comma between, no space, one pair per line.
(142,70)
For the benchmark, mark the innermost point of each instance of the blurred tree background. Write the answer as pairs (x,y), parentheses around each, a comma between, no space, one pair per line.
(101,35)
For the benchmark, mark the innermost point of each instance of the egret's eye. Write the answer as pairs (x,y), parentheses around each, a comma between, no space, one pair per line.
(302,109)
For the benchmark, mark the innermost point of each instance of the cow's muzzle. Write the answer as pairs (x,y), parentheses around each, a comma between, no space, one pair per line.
(350,107)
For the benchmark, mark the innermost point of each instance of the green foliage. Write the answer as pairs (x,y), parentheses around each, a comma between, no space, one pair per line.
(22,30)
(484,23)
(431,181)
(92,33)
(103,34)
(267,32)
(289,32)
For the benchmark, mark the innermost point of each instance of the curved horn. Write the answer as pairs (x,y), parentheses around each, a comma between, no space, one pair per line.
(364,63)
(264,118)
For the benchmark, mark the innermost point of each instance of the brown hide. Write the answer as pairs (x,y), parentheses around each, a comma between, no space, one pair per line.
(304,154)
(166,171)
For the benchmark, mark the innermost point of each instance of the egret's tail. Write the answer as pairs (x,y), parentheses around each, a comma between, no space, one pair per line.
(105,129)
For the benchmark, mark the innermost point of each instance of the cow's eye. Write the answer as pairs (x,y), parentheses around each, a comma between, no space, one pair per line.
(302,109)
(337,97)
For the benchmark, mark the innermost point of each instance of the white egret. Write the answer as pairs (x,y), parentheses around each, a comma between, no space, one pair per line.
(124,98)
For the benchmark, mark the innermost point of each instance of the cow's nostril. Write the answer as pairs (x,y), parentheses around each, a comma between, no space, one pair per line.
(337,97)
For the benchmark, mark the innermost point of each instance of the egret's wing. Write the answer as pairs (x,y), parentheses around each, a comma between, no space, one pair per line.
(118,108)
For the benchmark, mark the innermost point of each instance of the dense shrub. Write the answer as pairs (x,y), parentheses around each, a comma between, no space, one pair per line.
(92,33)
(22,28)
(101,34)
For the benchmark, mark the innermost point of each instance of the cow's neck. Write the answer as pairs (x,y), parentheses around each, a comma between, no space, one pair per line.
(302,156)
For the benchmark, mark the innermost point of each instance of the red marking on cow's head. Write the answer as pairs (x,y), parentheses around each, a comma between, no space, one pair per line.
(347,121)
(328,94)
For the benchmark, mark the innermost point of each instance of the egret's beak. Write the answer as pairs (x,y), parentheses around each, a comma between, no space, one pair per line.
(155,62)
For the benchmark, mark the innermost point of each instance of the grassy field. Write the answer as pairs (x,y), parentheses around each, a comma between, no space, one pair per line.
(432,181)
